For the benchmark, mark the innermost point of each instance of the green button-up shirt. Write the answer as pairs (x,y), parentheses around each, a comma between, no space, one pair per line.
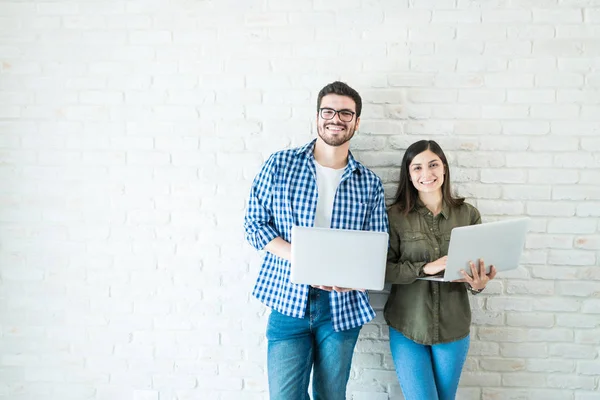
(427,312)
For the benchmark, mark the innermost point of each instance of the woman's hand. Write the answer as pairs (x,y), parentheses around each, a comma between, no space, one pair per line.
(435,267)
(479,279)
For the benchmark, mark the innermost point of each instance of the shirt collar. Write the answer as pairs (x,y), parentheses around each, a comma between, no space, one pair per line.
(421,209)
(308,151)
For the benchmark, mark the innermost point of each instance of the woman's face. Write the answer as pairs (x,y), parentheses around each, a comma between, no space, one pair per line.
(427,172)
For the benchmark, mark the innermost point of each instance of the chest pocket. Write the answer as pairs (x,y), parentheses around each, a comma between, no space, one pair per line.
(414,247)
(352,216)
(445,243)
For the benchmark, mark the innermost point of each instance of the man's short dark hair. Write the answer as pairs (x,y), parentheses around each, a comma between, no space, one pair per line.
(341,89)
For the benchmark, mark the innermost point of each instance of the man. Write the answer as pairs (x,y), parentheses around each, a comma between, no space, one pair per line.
(318,184)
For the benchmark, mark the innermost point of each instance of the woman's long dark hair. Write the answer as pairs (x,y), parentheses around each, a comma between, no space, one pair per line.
(407,195)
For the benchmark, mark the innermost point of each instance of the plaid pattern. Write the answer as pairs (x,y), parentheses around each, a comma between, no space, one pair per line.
(284,194)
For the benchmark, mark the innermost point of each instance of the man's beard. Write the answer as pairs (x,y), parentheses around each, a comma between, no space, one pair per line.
(336,140)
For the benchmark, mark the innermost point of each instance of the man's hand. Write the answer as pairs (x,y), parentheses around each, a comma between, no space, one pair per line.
(336,289)
(435,267)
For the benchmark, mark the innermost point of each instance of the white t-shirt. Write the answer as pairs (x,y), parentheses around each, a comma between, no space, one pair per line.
(328,180)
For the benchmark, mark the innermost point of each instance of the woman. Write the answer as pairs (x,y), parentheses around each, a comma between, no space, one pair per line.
(429,321)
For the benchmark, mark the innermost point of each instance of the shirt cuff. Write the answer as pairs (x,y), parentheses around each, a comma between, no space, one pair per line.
(265,235)
(475,291)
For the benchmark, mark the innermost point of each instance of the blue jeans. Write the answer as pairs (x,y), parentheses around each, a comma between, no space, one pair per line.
(297,345)
(428,372)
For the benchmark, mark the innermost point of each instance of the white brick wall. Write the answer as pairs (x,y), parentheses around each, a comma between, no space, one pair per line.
(130,131)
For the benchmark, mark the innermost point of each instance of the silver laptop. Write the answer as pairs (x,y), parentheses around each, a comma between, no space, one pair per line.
(498,243)
(339,257)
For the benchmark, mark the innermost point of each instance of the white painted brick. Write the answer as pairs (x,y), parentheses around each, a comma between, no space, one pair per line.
(540,65)
(531,96)
(503,48)
(572,351)
(459,80)
(523,379)
(504,143)
(557,209)
(588,368)
(482,63)
(369,396)
(536,320)
(478,191)
(576,193)
(534,394)
(526,192)
(588,242)
(549,272)
(545,365)
(591,306)
(494,207)
(578,321)
(577,65)
(555,111)
(503,176)
(480,378)
(432,64)
(528,160)
(530,287)
(508,304)
(427,33)
(571,257)
(588,209)
(481,31)
(557,47)
(484,348)
(502,365)
(587,337)
(479,159)
(455,111)
(590,112)
(592,395)
(591,15)
(523,350)
(558,176)
(483,128)
(505,16)
(558,144)
(545,16)
(556,304)
(503,112)
(456,16)
(559,80)
(482,96)
(579,289)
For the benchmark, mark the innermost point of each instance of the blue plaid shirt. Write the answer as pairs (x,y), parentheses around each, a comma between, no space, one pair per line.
(284,194)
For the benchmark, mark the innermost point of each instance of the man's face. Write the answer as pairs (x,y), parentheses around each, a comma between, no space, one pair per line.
(336,132)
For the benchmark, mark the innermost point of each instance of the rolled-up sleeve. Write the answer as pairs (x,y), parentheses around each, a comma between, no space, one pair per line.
(377,219)
(258,221)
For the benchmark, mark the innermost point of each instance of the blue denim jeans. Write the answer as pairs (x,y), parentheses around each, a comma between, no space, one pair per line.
(428,372)
(297,345)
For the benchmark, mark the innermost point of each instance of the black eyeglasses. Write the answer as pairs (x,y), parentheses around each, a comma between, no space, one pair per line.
(329,113)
